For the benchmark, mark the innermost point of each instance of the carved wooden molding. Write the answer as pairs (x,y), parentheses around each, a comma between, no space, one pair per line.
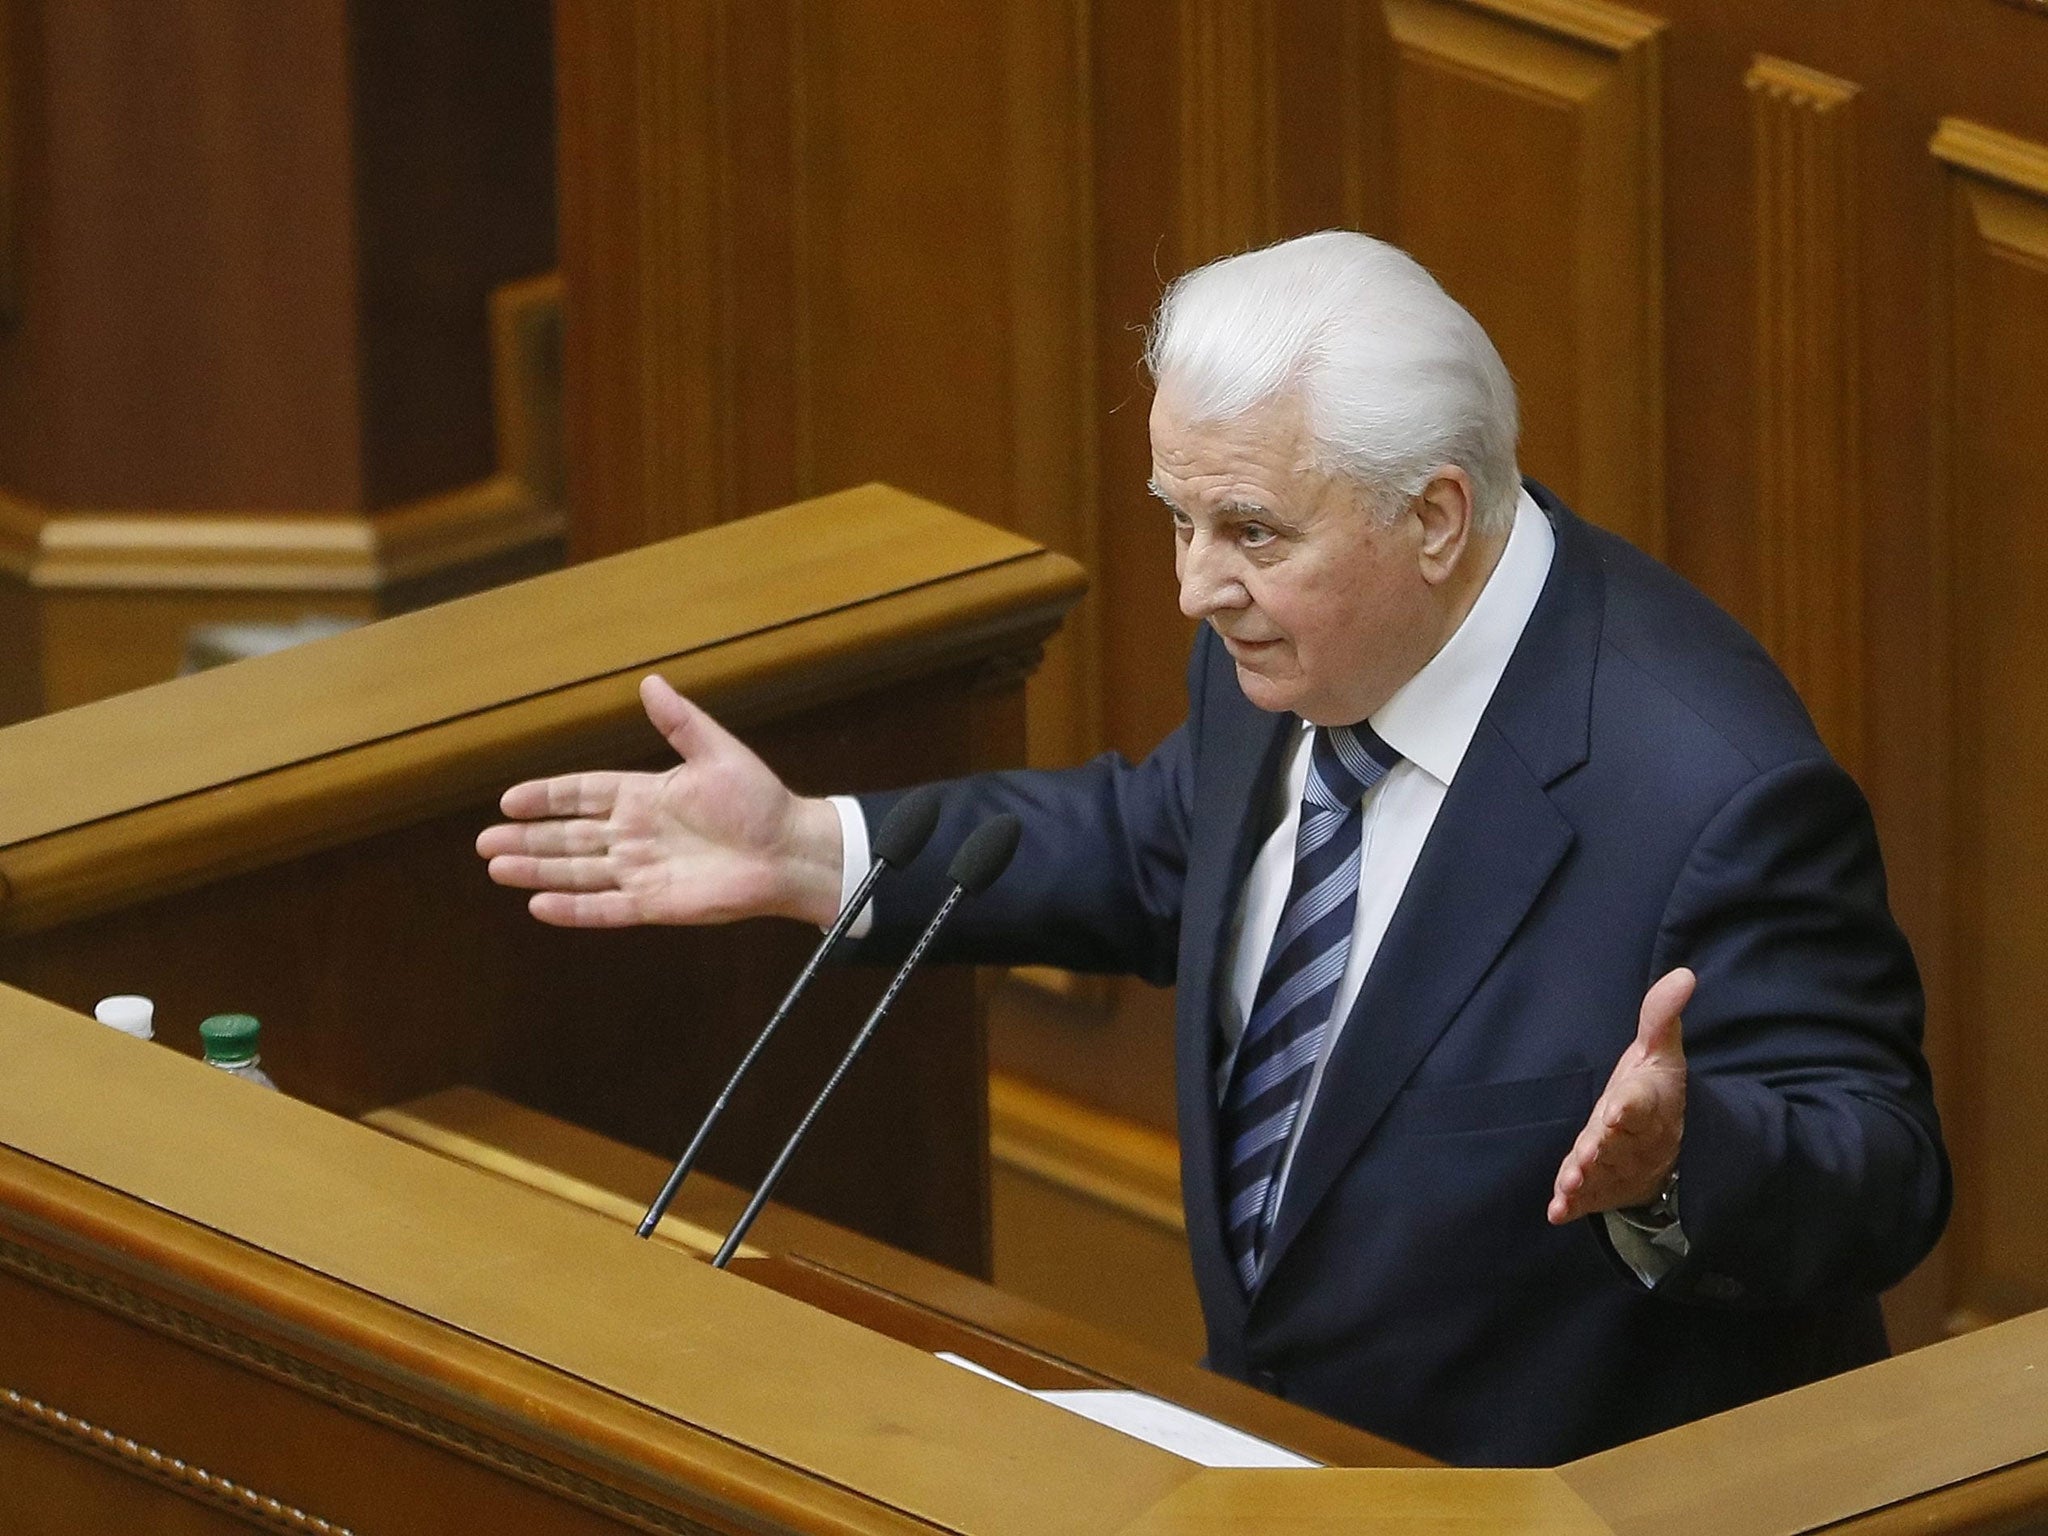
(1992,490)
(1227,105)
(1810,538)
(1006,671)
(273,552)
(9,295)
(1576,301)
(159,1317)
(2002,157)
(1612,27)
(132,1456)
(518,508)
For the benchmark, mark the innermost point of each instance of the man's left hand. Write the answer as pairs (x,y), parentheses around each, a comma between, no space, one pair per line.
(1630,1145)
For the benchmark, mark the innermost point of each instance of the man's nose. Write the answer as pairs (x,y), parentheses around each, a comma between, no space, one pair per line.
(1206,584)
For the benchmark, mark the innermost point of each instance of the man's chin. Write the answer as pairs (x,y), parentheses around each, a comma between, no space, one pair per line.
(1264,692)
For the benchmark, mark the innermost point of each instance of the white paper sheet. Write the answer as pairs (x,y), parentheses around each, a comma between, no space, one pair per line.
(1157,1422)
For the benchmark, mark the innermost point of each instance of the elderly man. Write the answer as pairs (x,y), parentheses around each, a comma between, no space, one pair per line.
(1471,803)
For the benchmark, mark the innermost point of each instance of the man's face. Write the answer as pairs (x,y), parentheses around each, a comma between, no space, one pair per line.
(1325,609)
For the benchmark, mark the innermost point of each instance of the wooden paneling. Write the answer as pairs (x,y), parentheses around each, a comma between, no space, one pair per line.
(640,216)
(64,1474)
(453,188)
(1795,1465)
(258,243)
(806,247)
(1528,152)
(10,91)
(109,599)
(1809,495)
(257,250)
(185,237)
(1050,265)
(1228,106)
(1088,1217)
(1994,503)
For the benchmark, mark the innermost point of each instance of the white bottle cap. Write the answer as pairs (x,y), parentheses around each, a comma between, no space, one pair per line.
(129,1014)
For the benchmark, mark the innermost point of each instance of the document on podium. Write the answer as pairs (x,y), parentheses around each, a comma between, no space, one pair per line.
(1155,1421)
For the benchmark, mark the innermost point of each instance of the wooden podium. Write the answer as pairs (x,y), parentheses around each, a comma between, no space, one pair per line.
(221,1308)
(292,837)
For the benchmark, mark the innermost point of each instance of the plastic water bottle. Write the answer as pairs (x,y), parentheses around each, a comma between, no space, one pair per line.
(128,1013)
(229,1040)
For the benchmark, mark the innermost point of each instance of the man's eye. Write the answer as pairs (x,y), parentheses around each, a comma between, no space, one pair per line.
(1254,535)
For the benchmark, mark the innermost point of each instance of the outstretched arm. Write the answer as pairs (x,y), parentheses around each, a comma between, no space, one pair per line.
(716,838)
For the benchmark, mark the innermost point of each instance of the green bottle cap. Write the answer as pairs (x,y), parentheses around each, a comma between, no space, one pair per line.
(229,1039)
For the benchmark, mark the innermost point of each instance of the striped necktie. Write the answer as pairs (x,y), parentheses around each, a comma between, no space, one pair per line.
(1290,1018)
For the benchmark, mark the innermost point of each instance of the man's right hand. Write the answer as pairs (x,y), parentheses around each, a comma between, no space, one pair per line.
(717,837)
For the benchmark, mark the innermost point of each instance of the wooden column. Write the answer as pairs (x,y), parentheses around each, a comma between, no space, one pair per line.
(247,372)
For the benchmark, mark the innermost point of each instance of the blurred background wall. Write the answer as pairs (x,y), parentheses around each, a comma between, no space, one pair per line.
(282,339)
(246,367)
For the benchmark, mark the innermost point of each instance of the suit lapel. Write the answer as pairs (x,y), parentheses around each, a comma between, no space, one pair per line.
(1243,747)
(1495,844)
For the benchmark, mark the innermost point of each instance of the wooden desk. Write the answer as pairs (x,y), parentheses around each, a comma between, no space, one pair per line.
(291,836)
(224,1307)
(881,1288)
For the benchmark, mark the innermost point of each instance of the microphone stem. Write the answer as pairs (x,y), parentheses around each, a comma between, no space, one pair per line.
(867,1030)
(833,935)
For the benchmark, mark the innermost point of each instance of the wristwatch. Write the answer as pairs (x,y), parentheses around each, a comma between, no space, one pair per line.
(1659,1213)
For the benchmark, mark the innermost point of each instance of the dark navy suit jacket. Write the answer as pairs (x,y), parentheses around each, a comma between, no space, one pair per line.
(1643,791)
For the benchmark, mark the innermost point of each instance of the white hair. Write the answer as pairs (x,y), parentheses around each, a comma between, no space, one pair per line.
(1396,380)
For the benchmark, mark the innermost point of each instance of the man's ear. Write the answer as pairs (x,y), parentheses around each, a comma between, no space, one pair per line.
(1444,510)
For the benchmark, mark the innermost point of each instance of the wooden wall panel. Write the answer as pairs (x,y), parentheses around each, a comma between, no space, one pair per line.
(1995,478)
(638,197)
(10,90)
(906,345)
(250,344)
(453,196)
(1809,497)
(1527,152)
(1050,268)
(810,246)
(1087,1217)
(1228,110)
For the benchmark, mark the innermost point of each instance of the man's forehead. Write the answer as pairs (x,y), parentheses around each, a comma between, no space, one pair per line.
(1260,446)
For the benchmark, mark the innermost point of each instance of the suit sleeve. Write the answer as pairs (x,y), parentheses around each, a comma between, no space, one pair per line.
(1096,883)
(1812,1163)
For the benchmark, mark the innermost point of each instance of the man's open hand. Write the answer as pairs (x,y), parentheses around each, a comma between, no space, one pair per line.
(715,838)
(1630,1144)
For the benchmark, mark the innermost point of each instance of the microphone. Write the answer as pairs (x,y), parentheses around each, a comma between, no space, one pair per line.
(984,856)
(902,835)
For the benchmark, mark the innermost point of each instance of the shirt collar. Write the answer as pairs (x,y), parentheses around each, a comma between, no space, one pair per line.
(1431,718)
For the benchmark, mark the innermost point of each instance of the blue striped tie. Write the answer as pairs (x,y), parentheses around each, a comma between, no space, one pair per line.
(1291,1012)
